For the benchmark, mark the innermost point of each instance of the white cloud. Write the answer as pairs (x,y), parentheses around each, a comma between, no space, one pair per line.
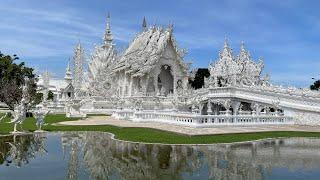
(28,49)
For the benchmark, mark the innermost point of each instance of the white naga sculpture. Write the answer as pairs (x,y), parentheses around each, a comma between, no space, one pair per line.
(19,113)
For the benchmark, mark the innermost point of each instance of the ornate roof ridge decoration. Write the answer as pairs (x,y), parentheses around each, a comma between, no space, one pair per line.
(226,51)
(146,49)
(240,70)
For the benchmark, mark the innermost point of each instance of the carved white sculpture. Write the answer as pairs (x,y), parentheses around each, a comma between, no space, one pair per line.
(19,113)
(40,113)
(78,74)
(239,71)
(73,108)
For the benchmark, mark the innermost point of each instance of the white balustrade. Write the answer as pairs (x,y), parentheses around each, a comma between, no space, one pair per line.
(203,120)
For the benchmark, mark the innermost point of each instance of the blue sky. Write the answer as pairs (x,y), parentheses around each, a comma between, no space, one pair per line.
(286,33)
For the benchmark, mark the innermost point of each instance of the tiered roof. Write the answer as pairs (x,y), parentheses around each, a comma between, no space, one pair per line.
(146,50)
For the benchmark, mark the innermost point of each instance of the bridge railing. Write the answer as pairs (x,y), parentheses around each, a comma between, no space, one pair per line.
(292,92)
(204,120)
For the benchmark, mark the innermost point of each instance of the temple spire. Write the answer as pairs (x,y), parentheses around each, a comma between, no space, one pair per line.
(68,75)
(108,35)
(144,24)
(78,60)
(170,28)
(226,52)
(244,55)
(226,43)
(68,66)
(242,47)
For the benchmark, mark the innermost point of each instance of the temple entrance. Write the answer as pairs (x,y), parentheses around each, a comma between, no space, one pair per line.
(165,81)
(150,87)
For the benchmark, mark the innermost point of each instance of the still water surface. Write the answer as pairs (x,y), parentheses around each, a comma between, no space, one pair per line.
(94,155)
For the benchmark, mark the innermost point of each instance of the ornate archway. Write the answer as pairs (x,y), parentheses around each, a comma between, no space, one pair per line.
(165,80)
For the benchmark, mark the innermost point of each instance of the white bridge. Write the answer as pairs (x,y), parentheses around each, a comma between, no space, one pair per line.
(290,99)
(222,106)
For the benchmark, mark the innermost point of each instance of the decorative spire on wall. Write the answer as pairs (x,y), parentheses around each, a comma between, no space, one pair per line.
(78,60)
(68,75)
(227,51)
(108,38)
(144,24)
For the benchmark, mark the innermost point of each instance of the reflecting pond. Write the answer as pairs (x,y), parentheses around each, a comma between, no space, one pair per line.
(94,155)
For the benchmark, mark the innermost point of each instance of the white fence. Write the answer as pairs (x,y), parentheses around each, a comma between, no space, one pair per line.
(203,120)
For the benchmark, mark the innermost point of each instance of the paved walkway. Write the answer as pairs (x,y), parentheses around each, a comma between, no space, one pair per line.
(108,120)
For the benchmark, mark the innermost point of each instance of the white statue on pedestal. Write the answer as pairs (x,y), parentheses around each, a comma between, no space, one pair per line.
(73,108)
(39,114)
(19,113)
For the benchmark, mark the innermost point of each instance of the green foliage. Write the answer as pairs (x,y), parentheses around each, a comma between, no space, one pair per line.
(198,81)
(12,78)
(50,95)
(315,85)
(38,98)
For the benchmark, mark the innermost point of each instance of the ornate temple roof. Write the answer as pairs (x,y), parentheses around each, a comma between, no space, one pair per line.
(241,66)
(146,49)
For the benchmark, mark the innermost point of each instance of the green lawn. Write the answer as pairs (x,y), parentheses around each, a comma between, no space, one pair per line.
(150,135)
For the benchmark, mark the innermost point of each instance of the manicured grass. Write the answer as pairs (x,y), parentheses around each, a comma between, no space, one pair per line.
(151,135)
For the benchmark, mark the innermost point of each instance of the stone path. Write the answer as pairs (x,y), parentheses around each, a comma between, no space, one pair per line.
(108,120)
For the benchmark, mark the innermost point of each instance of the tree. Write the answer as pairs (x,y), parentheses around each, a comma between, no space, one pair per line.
(12,77)
(38,98)
(198,81)
(315,85)
(50,95)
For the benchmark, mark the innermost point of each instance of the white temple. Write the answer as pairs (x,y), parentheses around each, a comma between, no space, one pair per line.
(149,82)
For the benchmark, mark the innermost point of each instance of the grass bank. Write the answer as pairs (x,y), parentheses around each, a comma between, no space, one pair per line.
(150,135)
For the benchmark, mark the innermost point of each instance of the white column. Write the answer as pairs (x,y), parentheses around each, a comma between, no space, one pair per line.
(235,106)
(200,108)
(209,111)
(130,86)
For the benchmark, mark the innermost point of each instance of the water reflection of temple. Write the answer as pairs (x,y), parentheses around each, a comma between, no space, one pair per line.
(98,156)
(104,158)
(20,150)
